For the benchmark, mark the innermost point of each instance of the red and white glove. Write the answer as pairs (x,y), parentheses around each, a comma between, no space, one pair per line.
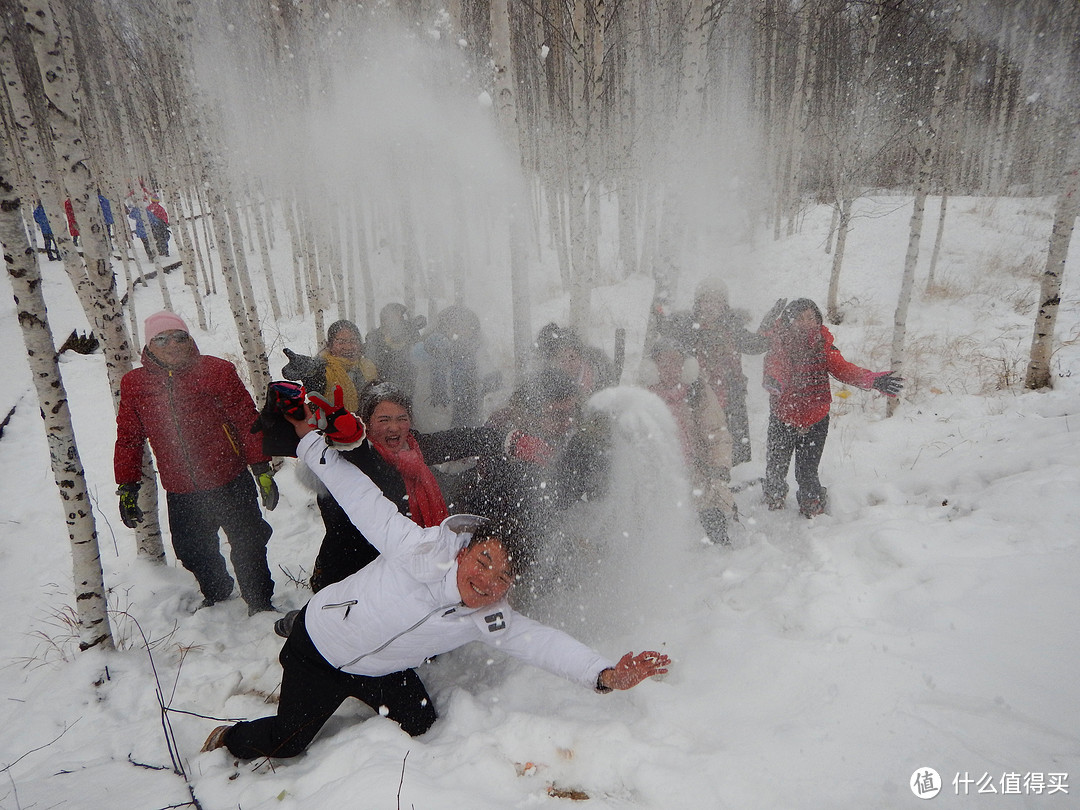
(338,424)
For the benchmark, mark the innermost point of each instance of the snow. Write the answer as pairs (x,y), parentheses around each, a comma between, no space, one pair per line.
(928,621)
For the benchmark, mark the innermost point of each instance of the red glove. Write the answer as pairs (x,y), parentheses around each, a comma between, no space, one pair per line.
(522,446)
(337,424)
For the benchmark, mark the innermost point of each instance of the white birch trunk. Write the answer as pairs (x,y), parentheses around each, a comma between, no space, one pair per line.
(506,109)
(938,239)
(1042,342)
(91,604)
(927,151)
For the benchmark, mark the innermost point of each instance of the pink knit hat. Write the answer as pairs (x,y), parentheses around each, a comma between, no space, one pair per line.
(163,322)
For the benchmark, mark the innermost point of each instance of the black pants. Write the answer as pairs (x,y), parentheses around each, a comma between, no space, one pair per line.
(784,440)
(312,690)
(194,520)
(344,549)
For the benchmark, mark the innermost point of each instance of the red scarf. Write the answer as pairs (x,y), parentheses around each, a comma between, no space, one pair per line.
(426,503)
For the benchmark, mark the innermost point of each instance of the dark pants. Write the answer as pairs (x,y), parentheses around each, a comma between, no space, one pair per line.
(52,252)
(344,550)
(312,690)
(738,422)
(807,447)
(194,520)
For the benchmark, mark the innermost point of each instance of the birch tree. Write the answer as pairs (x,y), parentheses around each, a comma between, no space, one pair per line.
(1042,342)
(927,148)
(91,605)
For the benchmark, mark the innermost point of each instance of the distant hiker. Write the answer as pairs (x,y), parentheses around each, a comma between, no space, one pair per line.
(107,215)
(197,416)
(390,346)
(159,224)
(429,592)
(562,348)
(703,435)
(340,362)
(720,339)
(460,372)
(796,374)
(52,252)
(73,226)
(138,226)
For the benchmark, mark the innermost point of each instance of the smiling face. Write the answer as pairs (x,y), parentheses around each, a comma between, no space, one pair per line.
(484,575)
(389,426)
(346,343)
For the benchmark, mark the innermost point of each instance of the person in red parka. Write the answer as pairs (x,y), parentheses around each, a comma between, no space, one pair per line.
(197,416)
(73,226)
(797,368)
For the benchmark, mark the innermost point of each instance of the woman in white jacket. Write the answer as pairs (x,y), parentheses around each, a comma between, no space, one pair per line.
(430,591)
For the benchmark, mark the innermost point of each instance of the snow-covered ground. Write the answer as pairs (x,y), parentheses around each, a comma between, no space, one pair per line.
(929,621)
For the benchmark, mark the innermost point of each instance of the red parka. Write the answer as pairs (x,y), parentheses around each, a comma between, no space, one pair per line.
(198,419)
(797,377)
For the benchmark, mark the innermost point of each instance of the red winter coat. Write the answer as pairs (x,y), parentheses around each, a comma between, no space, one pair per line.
(198,420)
(73,227)
(797,378)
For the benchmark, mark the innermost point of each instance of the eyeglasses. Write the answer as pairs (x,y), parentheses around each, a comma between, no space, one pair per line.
(167,338)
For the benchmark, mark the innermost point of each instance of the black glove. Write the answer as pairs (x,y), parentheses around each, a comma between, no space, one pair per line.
(300,366)
(888,383)
(337,423)
(771,316)
(130,512)
(268,491)
(278,434)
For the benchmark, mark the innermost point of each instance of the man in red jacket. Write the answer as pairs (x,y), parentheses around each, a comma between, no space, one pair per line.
(198,416)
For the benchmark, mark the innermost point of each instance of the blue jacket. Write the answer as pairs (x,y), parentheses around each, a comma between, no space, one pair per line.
(42,220)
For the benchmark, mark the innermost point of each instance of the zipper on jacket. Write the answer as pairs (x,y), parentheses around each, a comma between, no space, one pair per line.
(453,606)
(347,605)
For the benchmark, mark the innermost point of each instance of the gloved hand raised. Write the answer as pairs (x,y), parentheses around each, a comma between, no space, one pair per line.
(130,512)
(888,383)
(268,491)
(522,446)
(771,316)
(338,424)
(300,366)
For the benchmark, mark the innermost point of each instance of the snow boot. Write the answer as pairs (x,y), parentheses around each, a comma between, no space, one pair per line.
(216,739)
(283,626)
(811,507)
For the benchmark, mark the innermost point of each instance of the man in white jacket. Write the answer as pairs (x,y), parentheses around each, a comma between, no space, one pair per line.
(430,591)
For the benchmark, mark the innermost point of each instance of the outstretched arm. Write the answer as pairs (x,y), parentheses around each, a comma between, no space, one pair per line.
(632,670)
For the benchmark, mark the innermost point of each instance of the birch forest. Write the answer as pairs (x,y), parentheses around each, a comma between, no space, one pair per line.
(412,147)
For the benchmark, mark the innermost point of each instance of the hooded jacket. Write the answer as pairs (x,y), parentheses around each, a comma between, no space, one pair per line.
(198,419)
(797,378)
(405,606)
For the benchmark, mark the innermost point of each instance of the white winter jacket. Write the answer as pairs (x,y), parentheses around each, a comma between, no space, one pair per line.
(405,606)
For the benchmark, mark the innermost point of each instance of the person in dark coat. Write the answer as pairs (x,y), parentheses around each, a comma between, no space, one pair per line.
(197,415)
(159,224)
(797,368)
(461,371)
(562,348)
(390,346)
(720,339)
(42,219)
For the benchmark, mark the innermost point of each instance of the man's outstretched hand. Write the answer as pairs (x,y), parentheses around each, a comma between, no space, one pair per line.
(633,669)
